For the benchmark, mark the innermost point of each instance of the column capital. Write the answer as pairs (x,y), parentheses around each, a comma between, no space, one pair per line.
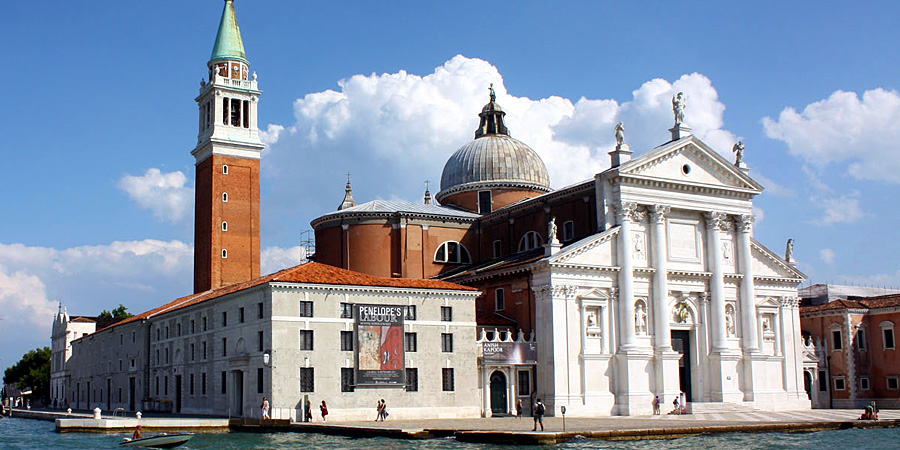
(629,211)
(613,294)
(744,223)
(704,297)
(563,291)
(658,213)
(717,221)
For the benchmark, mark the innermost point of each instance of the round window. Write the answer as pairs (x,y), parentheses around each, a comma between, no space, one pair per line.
(686,169)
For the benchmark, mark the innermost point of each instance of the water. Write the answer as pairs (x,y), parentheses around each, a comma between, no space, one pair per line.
(24,434)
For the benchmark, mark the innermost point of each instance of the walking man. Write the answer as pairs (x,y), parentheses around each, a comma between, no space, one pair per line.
(538,415)
(656,402)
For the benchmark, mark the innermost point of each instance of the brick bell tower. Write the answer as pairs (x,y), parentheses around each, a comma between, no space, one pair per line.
(226,203)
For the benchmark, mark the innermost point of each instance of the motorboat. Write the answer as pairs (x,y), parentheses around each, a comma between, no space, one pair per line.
(160,441)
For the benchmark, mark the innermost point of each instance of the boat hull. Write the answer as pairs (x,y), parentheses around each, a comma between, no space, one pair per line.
(161,441)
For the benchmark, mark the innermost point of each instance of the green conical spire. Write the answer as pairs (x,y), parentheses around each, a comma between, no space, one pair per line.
(229,44)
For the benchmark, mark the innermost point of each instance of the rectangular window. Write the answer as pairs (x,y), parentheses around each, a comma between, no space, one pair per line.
(203,383)
(446,314)
(259,310)
(346,379)
(306,309)
(191,385)
(223,384)
(524,382)
(447,379)
(446,342)
(204,350)
(241,315)
(838,343)
(246,109)
(307,379)
(412,380)
(157,385)
(823,381)
(346,310)
(178,329)
(259,380)
(568,230)
(864,383)
(484,202)
(133,339)
(839,384)
(499,300)
(888,338)
(892,382)
(224,346)
(204,323)
(306,340)
(259,341)
(410,342)
(192,327)
(861,339)
(346,341)
(192,352)
(157,333)
(224,318)
(498,249)
(409,313)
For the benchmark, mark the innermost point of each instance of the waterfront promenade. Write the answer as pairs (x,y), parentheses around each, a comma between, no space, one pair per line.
(506,429)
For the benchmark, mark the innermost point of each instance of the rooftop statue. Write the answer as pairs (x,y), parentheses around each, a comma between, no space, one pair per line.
(678,104)
(551,230)
(493,94)
(620,136)
(738,150)
(789,252)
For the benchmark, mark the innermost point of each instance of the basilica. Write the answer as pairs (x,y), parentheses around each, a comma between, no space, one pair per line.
(643,281)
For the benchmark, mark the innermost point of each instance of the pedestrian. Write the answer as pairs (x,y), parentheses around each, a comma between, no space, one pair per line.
(538,415)
(677,409)
(519,409)
(323,408)
(656,402)
(308,410)
(381,410)
(264,408)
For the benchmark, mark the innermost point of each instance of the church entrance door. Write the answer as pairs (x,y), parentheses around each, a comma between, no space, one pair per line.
(681,343)
(498,393)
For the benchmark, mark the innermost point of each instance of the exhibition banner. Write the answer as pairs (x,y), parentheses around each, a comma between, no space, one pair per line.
(509,353)
(380,359)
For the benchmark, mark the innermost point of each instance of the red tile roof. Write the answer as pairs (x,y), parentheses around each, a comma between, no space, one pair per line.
(882,301)
(311,273)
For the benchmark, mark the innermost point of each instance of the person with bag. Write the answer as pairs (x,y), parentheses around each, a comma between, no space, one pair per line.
(539,411)
(323,408)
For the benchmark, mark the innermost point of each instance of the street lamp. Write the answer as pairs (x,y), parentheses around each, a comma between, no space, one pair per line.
(267,358)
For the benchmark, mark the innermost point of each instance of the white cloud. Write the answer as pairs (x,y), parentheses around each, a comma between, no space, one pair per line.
(828,255)
(773,187)
(859,133)
(839,209)
(277,258)
(164,194)
(395,130)
(759,214)
(23,300)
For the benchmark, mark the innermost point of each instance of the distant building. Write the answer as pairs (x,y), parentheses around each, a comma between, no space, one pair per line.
(856,358)
(818,294)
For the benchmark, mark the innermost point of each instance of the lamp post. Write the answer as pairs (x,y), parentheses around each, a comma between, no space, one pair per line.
(563,408)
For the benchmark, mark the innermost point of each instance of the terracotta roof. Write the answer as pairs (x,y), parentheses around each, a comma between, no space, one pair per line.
(311,273)
(882,301)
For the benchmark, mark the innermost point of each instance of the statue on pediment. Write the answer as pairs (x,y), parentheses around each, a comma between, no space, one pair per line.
(789,252)
(738,150)
(678,104)
(620,136)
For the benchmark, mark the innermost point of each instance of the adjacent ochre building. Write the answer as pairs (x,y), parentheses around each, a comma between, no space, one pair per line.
(641,281)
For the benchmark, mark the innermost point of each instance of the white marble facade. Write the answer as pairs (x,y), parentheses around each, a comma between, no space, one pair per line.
(674,271)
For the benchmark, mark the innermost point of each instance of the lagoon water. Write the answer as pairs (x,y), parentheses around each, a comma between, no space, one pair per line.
(25,434)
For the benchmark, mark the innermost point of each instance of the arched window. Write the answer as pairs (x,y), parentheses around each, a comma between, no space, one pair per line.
(224,197)
(530,240)
(224,226)
(225,169)
(452,252)
(224,253)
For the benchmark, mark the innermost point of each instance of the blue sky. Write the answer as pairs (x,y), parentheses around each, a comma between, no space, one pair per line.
(99,120)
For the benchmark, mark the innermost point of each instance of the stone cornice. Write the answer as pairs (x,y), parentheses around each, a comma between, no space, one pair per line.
(585,245)
(538,202)
(498,184)
(282,286)
(341,217)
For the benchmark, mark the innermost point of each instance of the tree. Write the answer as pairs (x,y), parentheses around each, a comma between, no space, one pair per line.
(33,371)
(118,313)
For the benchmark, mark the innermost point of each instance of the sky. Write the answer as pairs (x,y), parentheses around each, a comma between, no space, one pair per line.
(98,120)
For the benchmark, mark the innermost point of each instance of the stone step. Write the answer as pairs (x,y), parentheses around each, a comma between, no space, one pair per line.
(719,407)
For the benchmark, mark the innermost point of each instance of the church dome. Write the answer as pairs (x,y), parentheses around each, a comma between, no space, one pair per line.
(493,160)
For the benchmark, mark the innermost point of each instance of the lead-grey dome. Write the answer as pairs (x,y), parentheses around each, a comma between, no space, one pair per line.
(493,159)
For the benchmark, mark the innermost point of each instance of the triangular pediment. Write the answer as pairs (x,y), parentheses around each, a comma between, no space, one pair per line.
(767,263)
(594,250)
(689,162)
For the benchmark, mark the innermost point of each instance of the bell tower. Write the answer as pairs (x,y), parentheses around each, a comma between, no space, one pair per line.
(226,203)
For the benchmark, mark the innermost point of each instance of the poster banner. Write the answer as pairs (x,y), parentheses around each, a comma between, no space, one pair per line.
(380,359)
(510,352)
